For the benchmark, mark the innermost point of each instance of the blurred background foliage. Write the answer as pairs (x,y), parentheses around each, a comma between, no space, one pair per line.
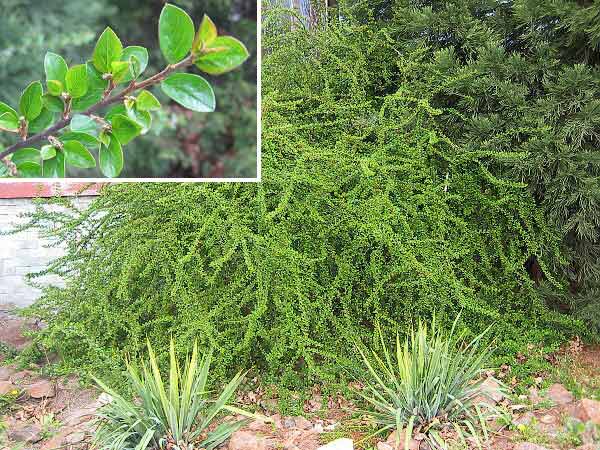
(180,143)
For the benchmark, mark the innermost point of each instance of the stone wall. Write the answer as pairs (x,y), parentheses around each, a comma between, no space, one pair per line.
(23,253)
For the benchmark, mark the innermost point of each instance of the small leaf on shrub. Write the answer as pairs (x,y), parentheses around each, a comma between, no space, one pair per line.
(29,169)
(124,128)
(9,121)
(143,118)
(26,154)
(96,87)
(51,103)
(55,87)
(84,124)
(147,102)
(77,84)
(108,49)
(224,54)
(111,158)
(48,152)
(175,33)
(191,91)
(104,138)
(31,103)
(119,70)
(207,33)
(55,67)
(5,108)
(86,139)
(41,122)
(77,155)
(141,55)
(54,167)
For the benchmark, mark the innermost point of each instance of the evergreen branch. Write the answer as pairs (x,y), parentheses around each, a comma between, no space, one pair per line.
(133,86)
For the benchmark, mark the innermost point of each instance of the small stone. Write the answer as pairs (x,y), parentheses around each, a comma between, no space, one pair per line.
(529,446)
(246,440)
(318,428)
(104,399)
(589,411)
(41,389)
(491,389)
(339,444)
(559,394)
(6,387)
(303,423)
(55,442)
(5,373)
(18,376)
(289,422)
(549,419)
(384,446)
(524,419)
(413,444)
(75,438)
(30,433)
(534,395)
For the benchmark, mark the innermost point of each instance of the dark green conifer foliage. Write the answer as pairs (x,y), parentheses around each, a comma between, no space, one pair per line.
(367,213)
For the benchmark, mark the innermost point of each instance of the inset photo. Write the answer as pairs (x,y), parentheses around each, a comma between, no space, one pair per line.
(129,90)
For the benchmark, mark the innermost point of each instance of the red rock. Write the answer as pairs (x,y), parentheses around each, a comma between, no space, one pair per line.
(529,446)
(7,387)
(25,432)
(413,444)
(559,394)
(57,441)
(41,389)
(589,411)
(5,373)
(246,440)
(303,423)
(492,390)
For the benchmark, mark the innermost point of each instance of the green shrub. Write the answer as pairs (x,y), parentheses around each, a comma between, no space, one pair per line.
(430,384)
(173,415)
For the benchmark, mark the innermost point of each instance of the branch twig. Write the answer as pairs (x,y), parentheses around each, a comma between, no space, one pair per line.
(132,87)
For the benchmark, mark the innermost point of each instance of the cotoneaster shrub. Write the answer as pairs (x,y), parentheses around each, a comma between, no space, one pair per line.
(366,213)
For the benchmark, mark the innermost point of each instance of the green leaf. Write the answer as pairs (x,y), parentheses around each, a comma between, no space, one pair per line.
(124,128)
(41,122)
(54,104)
(29,169)
(84,124)
(104,138)
(48,152)
(207,33)
(77,155)
(54,167)
(143,118)
(224,54)
(27,154)
(77,84)
(147,102)
(139,53)
(108,49)
(55,68)
(9,121)
(175,33)
(119,70)
(5,108)
(86,139)
(191,91)
(31,103)
(111,158)
(55,87)
(96,88)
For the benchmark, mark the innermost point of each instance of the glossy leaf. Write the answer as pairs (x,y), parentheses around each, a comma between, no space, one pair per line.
(54,104)
(141,55)
(96,87)
(77,84)
(77,155)
(104,138)
(31,103)
(147,102)
(84,124)
(207,33)
(55,87)
(54,167)
(108,49)
(191,91)
(124,128)
(41,122)
(55,68)
(26,154)
(9,121)
(48,152)
(175,33)
(86,139)
(111,158)
(143,118)
(5,108)
(224,54)
(119,70)
(29,169)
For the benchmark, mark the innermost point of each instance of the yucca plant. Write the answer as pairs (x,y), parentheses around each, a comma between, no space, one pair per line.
(175,415)
(431,387)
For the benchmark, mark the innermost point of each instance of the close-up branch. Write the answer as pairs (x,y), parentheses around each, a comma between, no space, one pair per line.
(133,86)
